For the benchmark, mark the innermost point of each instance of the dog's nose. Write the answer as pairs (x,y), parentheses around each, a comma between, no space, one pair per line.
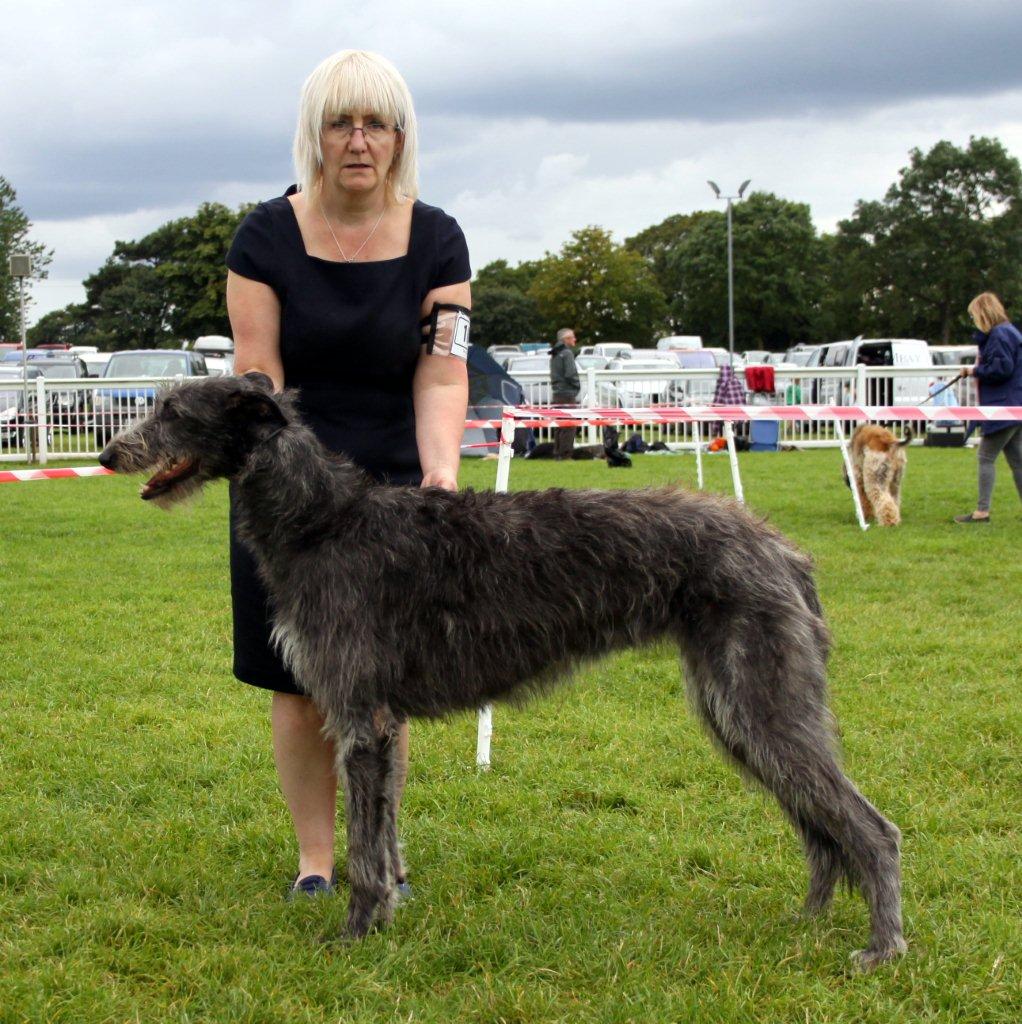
(107,459)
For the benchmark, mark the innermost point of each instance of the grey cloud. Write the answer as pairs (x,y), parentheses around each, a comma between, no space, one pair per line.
(649,62)
(831,57)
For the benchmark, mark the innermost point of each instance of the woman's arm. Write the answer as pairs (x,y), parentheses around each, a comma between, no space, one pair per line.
(998,359)
(440,392)
(254,310)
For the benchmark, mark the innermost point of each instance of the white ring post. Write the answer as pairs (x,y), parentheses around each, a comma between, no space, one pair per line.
(484,728)
(729,434)
(839,430)
(697,433)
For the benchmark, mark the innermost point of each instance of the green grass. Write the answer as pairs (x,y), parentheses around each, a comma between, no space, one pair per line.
(609,868)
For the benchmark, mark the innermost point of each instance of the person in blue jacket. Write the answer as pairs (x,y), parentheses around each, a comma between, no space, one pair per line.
(998,372)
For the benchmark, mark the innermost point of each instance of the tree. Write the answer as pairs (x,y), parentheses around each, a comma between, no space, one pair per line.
(14,231)
(778,280)
(950,227)
(504,316)
(601,289)
(657,245)
(156,291)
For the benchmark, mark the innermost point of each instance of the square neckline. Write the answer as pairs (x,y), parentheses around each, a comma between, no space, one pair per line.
(346,263)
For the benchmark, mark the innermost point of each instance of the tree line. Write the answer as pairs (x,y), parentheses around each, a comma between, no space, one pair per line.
(905,265)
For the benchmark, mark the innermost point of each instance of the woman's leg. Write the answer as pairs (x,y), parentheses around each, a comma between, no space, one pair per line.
(308,779)
(990,447)
(1013,453)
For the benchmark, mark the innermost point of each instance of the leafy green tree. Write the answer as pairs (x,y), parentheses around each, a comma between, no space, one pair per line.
(156,291)
(657,245)
(950,227)
(504,316)
(601,289)
(14,240)
(500,274)
(778,280)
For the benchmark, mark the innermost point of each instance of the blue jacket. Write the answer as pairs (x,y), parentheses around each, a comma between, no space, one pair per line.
(999,371)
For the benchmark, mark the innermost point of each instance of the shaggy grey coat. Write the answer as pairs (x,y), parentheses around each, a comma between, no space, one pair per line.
(399,602)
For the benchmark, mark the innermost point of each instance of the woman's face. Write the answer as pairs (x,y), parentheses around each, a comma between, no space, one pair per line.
(358,150)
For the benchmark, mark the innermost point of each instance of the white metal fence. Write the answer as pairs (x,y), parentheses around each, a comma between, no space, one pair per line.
(69,419)
(75,418)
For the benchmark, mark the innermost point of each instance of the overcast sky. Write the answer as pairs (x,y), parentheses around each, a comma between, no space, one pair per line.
(535,120)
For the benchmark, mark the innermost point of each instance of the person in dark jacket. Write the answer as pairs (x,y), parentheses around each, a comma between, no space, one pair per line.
(998,372)
(564,387)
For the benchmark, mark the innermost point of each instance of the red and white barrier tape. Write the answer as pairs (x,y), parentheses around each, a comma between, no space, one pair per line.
(13,476)
(566,416)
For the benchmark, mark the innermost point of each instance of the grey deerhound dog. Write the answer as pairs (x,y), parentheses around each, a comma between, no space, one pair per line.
(385,609)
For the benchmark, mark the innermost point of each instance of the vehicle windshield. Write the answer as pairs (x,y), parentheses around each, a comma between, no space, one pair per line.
(146,364)
(58,368)
(529,364)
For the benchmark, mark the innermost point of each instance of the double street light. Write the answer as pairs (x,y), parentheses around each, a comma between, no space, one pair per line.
(730,269)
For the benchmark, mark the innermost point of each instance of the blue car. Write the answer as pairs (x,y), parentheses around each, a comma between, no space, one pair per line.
(116,407)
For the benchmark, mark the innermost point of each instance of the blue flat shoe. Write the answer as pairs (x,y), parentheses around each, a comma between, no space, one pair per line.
(312,885)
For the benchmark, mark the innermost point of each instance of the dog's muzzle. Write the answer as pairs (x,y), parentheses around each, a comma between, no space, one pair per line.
(167,479)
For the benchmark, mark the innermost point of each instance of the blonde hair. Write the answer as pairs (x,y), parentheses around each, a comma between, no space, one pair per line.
(987,311)
(356,81)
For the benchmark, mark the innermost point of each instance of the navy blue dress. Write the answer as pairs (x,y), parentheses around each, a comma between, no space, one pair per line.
(349,343)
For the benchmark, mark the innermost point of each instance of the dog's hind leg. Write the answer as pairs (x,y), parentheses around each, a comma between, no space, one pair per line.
(823,856)
(366,760)
(763,699)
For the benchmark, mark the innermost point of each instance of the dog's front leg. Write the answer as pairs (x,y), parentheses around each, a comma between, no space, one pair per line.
(362,758)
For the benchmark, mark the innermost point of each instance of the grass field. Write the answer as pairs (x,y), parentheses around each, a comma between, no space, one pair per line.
(609,868)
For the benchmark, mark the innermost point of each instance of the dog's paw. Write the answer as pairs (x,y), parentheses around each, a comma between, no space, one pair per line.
(869,959)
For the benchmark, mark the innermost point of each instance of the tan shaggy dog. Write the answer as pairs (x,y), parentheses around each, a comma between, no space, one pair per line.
(878,462)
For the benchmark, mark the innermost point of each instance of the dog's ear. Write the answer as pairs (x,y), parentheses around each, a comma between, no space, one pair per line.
(260,380)
(256,407)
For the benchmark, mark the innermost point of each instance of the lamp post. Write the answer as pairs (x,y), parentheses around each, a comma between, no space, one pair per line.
(20,266)
(730,269)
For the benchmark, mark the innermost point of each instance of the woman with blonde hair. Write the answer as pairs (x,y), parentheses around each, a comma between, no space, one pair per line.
(998,372)
(355,293)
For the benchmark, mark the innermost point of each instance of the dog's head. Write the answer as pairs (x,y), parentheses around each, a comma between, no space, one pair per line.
(199,430)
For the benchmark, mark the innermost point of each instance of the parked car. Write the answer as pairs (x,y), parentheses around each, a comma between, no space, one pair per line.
(12,398)
(756,356)
(218,352)
(954,355)
(635,391)
(116,407)
(721,358)
(693,391)
(537,392)
(33,354)
(584,361)
(901,352)
(679,342)
(613,349)
(95,362)
(67,402)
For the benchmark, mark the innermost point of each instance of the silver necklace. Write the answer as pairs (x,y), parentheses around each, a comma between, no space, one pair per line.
(354,255)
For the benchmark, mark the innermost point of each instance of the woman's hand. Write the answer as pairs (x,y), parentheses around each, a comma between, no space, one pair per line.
(441,478)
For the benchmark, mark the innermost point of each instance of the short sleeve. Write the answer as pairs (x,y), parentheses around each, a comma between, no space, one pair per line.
(452,266)
(253,252)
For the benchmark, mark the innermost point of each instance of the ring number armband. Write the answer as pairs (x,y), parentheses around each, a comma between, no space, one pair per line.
(445,330)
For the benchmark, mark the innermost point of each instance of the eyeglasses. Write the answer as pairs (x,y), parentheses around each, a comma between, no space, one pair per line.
(344,128)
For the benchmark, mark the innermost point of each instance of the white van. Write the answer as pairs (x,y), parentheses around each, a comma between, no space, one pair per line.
(907,353)
(680,343)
